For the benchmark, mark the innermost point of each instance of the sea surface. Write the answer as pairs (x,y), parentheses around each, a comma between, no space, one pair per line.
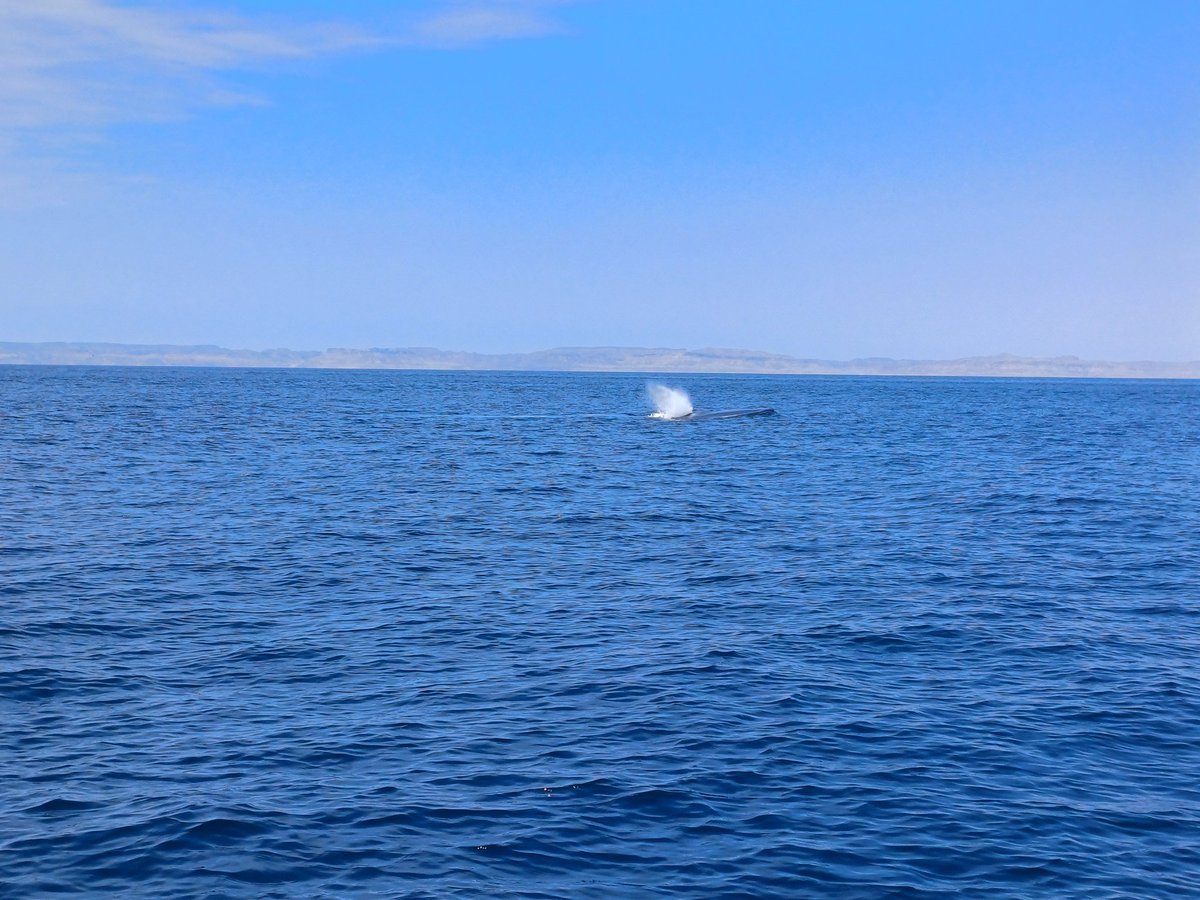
(273,633)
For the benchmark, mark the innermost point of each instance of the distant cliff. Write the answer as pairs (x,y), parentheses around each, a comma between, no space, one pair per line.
(580,359)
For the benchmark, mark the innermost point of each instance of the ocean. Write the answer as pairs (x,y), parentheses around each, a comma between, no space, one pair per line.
(270,633)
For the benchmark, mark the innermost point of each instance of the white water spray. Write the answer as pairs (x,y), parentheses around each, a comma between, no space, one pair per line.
(669,403)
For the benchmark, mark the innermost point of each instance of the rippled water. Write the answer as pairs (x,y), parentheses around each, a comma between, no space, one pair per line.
(273,633)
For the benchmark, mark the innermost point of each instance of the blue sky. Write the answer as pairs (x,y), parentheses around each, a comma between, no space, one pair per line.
(836,180)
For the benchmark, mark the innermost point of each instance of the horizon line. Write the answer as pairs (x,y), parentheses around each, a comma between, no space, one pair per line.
(606,358)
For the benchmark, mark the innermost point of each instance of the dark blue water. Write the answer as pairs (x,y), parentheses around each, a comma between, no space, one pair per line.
(273,634)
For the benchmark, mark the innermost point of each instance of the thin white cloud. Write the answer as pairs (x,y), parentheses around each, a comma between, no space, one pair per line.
(471,23)
(71,68)
(83,63)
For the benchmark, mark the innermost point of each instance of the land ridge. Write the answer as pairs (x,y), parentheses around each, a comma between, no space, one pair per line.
(580,359)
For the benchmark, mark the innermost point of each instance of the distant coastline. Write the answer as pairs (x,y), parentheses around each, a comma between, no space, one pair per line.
(580,359)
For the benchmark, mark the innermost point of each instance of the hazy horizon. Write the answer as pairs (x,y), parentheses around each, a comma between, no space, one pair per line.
(930,181)
(663,360)
(754,351)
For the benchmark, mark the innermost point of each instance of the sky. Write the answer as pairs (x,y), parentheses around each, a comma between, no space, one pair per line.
(825,179)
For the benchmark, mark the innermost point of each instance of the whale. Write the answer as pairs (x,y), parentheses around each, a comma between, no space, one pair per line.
(725,414)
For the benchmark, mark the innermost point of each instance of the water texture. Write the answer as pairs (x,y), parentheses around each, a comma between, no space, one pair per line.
(276,634)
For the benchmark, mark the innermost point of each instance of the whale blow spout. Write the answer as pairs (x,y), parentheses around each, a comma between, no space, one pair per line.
(669,403)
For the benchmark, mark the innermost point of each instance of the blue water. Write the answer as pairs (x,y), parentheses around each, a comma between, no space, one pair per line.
(275,634)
